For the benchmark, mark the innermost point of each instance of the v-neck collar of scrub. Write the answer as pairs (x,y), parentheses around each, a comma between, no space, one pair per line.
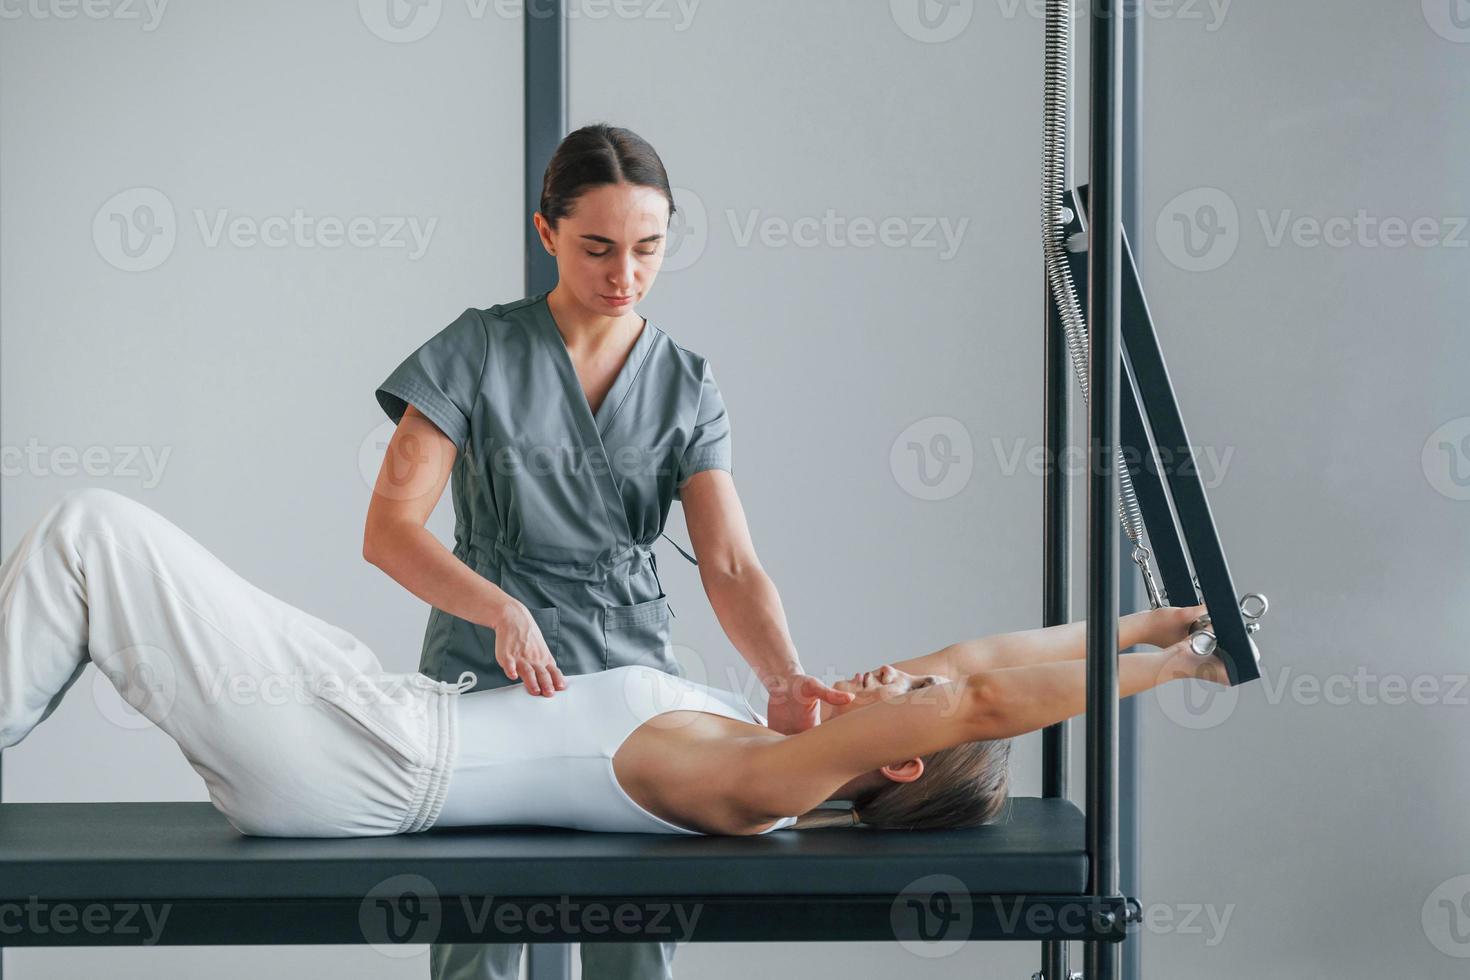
(624,380)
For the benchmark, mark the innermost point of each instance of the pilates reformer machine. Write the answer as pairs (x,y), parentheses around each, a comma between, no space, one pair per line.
(175,873)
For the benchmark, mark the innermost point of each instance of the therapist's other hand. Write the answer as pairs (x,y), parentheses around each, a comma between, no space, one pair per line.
(792,707)
(522,653)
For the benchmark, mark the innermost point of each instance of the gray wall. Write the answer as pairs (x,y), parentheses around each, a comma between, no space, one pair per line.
(1319,377)
(1329,369)
(247,369)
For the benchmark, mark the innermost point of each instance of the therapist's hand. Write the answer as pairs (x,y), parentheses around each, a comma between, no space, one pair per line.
(794,698)
(521,651)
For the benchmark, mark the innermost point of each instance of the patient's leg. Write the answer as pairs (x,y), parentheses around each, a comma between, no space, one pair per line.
(43,623)
(101,578)
(227,670)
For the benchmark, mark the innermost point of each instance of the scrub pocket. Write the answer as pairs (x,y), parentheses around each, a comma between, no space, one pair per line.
(639,634)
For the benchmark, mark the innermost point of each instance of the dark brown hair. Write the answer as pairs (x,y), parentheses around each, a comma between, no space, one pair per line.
(595,156)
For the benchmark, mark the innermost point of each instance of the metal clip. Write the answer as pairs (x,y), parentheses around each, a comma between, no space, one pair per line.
(1156,596)
(1253,606)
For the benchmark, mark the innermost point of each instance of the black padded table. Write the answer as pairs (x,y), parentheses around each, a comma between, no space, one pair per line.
(190,879)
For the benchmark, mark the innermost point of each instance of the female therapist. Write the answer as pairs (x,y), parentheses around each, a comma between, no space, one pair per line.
(567,423)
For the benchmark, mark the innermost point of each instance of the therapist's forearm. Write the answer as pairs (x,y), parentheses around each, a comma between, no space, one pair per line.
(750,612)
(417,560)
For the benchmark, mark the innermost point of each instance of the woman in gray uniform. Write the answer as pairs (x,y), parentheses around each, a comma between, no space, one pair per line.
(566,424)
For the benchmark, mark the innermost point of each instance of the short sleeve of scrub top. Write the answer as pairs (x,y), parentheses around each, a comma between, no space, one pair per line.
(709,443)
(441,378)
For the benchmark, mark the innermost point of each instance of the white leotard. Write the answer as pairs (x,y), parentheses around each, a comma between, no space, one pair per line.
(525,759)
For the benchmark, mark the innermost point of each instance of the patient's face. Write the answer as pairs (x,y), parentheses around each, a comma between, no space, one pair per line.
(875,685)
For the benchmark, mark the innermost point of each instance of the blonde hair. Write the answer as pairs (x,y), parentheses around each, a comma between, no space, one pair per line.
(965,785)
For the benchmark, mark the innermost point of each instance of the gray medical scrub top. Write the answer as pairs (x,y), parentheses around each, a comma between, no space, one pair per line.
(557,506)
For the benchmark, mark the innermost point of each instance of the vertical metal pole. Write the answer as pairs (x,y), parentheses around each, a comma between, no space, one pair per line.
(549,961)
(1056,526)
(545,122)
(1056,543)
(1130,781)
(1103,960)
(1130,770)
(545,125)
(1056,500)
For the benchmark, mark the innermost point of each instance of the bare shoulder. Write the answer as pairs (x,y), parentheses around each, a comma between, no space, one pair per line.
(798,772)
(692,768)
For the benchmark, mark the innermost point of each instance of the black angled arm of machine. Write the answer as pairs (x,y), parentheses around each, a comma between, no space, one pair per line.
(1166,480)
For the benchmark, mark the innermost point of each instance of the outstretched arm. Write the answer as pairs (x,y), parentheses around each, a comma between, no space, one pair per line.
(794,774)
(1025,699)
(1051,644)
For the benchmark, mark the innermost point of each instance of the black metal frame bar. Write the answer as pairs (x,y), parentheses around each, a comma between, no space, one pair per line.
(545,94)
(1103,961)
(540,920)
(1161,461)
(1056,530)
(1056,544)
(1130,590)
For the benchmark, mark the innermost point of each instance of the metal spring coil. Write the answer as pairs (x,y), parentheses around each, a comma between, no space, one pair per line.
(1058,274)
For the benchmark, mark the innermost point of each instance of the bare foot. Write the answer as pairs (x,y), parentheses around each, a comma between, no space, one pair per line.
(1212,669)
(1190,664)
(1176,627)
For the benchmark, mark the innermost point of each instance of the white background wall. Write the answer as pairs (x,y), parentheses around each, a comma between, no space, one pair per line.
(1298,826)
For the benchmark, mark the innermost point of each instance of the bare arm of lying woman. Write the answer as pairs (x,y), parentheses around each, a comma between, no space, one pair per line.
(909,712)
(1156,627)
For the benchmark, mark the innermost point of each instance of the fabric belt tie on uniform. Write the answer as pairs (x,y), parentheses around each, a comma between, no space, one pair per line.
(498,547)
(594,569)
(581,569)
(694,561)
(681,551)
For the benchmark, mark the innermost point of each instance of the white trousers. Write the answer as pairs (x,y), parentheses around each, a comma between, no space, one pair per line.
(293,724)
